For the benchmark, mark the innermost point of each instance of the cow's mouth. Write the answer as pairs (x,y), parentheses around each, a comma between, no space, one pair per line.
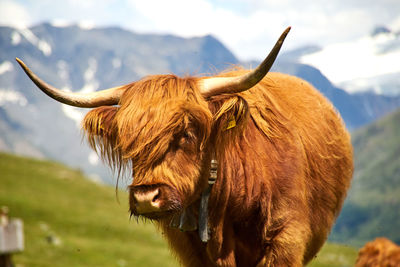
(159,215)
(156,216)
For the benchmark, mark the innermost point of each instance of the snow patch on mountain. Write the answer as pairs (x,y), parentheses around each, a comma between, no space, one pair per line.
(63,70)
(86,25)
(116,63)
(15,38)
(11,96)
(5,67)
(386,84)
(60,23)
(91,85)
(34,40)
(93,158)
(74,113)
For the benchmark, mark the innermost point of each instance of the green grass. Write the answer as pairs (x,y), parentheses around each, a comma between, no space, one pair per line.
(335,255)
(93,229)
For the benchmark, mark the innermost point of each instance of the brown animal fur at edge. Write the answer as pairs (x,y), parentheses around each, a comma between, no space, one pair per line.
(284,170)
(379,253)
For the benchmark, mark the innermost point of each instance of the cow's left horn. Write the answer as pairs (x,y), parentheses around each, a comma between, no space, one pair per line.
(221,85)
(105,97)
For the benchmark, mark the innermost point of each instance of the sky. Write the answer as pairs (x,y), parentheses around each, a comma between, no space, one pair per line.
(249,28)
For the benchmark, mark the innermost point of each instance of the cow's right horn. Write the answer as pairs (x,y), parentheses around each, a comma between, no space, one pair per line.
(105,97)
(229,85)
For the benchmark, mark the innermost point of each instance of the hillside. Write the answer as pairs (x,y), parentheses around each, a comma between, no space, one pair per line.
(373,204)
(87,225)
(70,221)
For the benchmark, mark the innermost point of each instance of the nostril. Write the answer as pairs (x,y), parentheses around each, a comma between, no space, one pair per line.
(156,196)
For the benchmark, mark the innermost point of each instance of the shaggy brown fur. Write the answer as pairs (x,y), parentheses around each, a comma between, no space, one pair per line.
(379,253)
(284,169)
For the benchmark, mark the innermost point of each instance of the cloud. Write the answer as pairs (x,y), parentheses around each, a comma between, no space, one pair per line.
(395,24)
(14,14)
(248,27)
(201,17)
(313,22)
(186,18)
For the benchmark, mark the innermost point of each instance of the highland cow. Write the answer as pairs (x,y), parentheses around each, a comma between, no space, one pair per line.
(276,150)
(379,253)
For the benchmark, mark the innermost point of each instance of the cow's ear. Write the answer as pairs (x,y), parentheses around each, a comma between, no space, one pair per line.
(101,131)
(100,121)
(230,114)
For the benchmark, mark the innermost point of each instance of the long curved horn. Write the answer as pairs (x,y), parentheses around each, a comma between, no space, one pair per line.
(221,85)
(105,97)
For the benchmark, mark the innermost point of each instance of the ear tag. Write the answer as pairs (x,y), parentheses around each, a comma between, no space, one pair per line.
(231,123)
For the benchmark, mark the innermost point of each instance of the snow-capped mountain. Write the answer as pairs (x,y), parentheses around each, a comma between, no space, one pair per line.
(72,57)
(371,63)
(88,59)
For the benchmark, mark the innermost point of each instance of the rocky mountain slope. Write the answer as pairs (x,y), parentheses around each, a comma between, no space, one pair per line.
(86,60)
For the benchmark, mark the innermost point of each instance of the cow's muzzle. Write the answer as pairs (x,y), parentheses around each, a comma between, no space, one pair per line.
(147,201)
(153,202)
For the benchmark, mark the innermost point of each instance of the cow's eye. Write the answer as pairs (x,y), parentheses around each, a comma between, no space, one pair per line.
(186,135)
(186,138)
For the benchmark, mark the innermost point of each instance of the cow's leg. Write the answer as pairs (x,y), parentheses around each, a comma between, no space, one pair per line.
(288,247)
(221,249)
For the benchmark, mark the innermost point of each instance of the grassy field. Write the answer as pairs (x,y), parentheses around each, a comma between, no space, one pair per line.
(335,255)
(71,221)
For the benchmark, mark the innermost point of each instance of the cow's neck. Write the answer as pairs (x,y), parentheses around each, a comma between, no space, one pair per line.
(203,211)
(186,220)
